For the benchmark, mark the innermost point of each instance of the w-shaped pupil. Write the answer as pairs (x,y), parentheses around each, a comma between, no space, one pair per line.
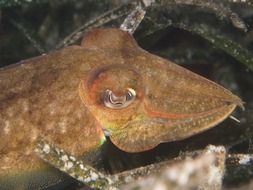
(117,102)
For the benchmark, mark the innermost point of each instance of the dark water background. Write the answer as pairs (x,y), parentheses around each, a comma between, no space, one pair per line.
(47,23)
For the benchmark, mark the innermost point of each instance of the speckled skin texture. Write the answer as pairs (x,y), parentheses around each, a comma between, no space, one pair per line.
(57,97)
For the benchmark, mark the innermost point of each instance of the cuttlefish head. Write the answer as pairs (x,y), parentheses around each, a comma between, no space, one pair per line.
(142,100)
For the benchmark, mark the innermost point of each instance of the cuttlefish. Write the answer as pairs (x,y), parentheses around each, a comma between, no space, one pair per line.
(108,85)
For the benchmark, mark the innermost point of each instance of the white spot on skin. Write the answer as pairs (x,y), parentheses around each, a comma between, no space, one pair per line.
(80,178)
(51,110)
(81,166)
(128,179)
(64,158)
(57,151)
(27,152)
(7,128)
(62,126)
(94,176)
(68,165)
(25,105)
(87,180)
(46,148)
(34,135)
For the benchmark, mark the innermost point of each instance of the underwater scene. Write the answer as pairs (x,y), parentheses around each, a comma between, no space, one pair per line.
(126,95)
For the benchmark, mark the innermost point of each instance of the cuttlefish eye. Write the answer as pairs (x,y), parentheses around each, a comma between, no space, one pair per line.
(117,102)
(113,94)
(113,87)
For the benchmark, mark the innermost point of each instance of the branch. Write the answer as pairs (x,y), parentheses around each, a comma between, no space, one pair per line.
(74,167)
(219,8)
(133,20)
(184,172)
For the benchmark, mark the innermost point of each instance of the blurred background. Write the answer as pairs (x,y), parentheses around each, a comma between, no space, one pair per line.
(213,39)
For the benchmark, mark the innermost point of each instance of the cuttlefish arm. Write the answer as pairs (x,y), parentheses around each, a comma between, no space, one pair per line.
(146,100)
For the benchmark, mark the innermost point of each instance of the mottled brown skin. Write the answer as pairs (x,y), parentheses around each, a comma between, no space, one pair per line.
(57,97)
